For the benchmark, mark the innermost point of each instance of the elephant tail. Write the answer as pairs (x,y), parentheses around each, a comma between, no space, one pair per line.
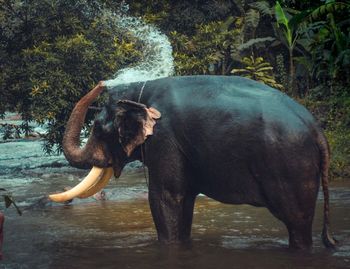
(327,238)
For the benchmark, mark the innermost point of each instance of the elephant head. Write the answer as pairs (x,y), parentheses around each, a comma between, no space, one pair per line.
(117,131)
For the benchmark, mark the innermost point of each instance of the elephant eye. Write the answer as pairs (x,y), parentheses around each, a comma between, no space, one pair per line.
(107,127)
(104,122)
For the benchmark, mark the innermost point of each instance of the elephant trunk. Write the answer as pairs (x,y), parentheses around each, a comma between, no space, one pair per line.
(94,152)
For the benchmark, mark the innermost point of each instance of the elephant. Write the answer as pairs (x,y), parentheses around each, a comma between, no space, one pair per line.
(230,138)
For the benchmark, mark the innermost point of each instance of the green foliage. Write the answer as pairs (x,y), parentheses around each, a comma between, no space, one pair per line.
(248,42)
(286,32)
(339,142)
(151,11)
(53,68)
(254,42)
(217,46)
(333,113)
(330,53)
(281,73)
(66,51)
(181,16)
(283,23)
(208,51)
(264,8)
(330,7)
(327,30)
(320,34)
(259,70)
(289,35)
(334,116)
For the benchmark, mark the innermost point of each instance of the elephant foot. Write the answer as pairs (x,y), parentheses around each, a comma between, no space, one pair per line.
(300,238)
(175,240)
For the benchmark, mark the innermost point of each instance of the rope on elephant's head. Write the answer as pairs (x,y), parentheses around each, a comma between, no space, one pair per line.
(143,166)
(141,91)
(142,147)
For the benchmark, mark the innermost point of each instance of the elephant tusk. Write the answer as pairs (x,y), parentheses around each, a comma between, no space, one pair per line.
(84,185)
(107,174)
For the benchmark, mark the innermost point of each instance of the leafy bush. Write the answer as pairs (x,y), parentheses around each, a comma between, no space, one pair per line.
(334,116)
(259,70)
(339,142)
(209,51)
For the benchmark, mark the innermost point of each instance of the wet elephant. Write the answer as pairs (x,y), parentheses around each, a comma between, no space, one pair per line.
(230,138)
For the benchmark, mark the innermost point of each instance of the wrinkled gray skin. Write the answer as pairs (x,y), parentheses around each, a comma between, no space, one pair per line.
(230,138)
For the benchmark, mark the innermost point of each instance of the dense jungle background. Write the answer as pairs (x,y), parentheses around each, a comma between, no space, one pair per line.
(54,51)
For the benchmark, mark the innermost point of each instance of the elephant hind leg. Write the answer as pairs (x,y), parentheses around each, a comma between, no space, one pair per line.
(299,228)
(294,205)
(298,216)
(300,235)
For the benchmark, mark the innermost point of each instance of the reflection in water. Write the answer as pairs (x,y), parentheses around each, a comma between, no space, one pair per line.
(120,234)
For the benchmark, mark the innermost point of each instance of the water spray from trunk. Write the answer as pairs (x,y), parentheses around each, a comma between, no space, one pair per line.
(157,60)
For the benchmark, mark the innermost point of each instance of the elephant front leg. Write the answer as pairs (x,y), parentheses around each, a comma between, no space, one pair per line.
(172,214)
(171,197)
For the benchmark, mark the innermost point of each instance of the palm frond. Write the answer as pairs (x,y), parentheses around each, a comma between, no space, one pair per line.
(267,68)
(263,7)
(234,71)
(252,18)
(331,7)
(255,41)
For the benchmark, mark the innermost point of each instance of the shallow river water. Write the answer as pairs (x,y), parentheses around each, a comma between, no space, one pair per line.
(119,232)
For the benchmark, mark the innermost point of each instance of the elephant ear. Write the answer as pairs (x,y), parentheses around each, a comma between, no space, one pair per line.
(134,122)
